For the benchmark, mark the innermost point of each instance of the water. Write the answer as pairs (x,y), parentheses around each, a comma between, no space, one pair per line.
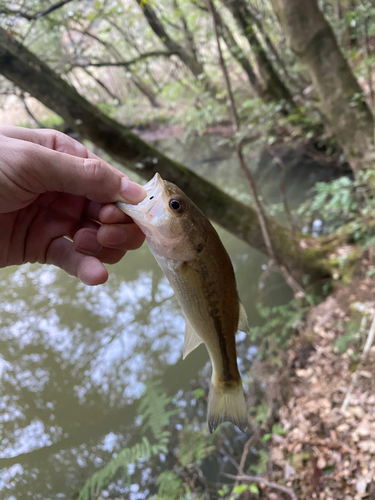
(74,359)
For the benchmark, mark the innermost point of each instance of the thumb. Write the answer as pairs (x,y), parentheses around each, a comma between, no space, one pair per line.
(93,178)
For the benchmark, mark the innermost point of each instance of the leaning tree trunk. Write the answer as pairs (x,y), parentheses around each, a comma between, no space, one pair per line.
(274,87)
(23,68)
(239,55)
(312,38)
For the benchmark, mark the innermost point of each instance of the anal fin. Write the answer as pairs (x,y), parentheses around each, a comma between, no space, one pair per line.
(192,339)
(243,325)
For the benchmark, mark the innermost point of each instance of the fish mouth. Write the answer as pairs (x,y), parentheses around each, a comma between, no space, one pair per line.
(153,202)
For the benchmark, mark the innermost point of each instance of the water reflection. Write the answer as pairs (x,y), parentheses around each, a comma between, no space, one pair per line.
(74,360)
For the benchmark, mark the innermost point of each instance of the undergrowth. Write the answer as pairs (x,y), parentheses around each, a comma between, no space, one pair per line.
(155,417)
(342,201)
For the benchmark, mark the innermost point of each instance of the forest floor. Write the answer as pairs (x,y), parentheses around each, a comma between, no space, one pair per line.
(328,452)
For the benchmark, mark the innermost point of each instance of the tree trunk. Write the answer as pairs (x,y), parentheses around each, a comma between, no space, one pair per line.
(146,90)
(239,55)
(312,38)
(274,88)
(188,34)
(33,76)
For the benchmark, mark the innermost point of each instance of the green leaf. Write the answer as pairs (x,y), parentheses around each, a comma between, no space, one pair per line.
(198,393)
(240,489)
(278,430)
(254,489)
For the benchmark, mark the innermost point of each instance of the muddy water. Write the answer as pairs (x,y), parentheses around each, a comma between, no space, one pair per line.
(74,359)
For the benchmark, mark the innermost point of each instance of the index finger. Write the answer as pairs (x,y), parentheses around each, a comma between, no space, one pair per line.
(51,139)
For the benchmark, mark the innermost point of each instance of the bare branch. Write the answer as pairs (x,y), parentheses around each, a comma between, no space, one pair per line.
(29,112)
(146,55)
(50,9)
(37,15)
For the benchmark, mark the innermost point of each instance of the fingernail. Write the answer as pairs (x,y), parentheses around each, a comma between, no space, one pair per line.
(132,192)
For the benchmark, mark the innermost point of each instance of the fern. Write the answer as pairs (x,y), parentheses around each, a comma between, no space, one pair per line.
(153,410)
(194,446)
(170,486)
(155,416)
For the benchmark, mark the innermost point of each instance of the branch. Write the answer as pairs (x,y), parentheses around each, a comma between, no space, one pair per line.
(37,15)
(155,53)
(50,9)
(18,13)
(269,484)
(29,112)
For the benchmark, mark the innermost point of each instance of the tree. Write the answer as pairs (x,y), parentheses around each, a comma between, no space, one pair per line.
(343,103)
(274,88)
(33,76)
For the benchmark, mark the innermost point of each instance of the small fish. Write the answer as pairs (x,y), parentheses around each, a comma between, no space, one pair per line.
(189,251)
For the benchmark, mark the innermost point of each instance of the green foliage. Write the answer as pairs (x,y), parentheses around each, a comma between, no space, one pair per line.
(198,393)
(242,488)
(276,430)
(153,409)
(155,417)
(197,118)
(253,488)
(260,413)
(341,201)
(224,490)
(278,328)
(351,335)
(194,446)
(170,486)
(261,466)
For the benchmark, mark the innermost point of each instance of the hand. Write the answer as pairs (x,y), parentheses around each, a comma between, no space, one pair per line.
(55,205)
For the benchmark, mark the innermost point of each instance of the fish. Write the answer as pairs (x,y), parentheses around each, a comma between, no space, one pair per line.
(193,258)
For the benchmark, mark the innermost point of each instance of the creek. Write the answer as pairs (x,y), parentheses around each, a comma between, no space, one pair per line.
(74,359)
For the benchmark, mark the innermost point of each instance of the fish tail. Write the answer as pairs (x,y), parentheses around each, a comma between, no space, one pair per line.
(226,403)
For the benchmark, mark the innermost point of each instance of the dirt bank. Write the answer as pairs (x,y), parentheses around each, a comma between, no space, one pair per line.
(328,452)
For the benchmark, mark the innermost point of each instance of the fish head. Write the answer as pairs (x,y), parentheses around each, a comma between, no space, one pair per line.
(166,217)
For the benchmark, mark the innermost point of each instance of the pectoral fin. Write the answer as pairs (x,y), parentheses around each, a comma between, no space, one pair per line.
(243,325)
(192,340)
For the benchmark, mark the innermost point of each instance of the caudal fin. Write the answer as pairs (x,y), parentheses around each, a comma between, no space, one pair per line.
(227,404)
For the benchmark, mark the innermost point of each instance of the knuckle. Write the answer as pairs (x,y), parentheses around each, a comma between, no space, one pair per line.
(54,136)
(94,169)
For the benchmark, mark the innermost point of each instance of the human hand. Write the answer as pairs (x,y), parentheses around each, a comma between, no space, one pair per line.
(55,205)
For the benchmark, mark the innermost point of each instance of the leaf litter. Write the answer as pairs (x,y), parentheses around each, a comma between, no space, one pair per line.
(328,453)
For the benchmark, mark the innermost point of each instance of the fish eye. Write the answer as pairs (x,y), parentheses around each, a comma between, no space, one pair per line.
(177,204)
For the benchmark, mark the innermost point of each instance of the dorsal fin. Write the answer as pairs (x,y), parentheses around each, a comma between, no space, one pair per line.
(243,325)
(192,339)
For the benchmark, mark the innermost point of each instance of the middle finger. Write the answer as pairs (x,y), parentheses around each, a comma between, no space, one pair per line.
(120,236)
